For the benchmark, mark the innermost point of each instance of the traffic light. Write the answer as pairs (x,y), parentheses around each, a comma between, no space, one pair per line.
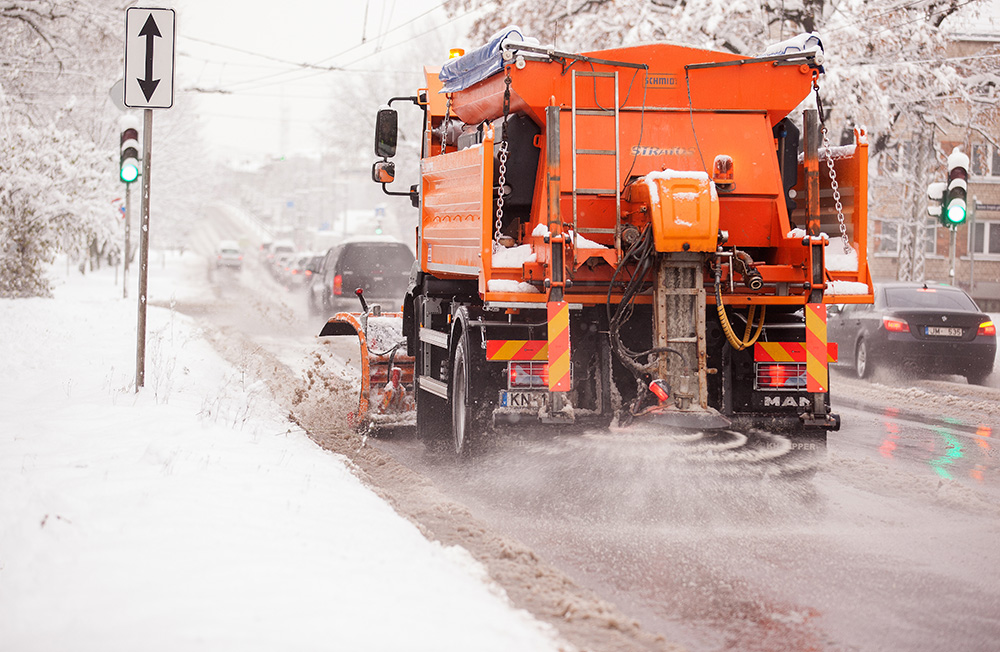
(955,207)
(129,169)
(935,196)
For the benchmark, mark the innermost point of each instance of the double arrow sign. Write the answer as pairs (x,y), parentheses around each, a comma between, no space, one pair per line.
(149,58)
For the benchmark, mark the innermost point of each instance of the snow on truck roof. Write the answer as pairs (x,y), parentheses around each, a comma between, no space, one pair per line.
(488,59)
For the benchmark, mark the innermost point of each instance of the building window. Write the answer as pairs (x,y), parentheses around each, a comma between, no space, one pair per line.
(986,238)
(889,237)
(985,161)
(894,159)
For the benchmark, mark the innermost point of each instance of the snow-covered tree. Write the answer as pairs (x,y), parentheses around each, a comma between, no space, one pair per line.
(56,172)
(60,136)
(50,199)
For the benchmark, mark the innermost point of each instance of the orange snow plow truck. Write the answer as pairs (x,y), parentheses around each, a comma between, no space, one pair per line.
(636,236)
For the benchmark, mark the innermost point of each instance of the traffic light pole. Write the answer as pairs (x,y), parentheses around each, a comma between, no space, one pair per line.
(140,354)
(128,238)
(951,254)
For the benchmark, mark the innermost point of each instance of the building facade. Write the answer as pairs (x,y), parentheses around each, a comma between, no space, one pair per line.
(909,244)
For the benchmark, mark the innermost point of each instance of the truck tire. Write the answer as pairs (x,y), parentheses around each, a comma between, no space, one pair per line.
(468,424)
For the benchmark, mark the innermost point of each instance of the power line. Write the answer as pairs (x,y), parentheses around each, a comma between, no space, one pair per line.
(263,81)
(298,64)
(314,66)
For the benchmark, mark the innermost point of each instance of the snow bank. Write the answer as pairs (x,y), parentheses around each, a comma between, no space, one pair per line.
(191,515)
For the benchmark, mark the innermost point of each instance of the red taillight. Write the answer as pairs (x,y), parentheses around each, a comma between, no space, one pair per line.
(338,283)
(786,375)
(987,328)
(895,325)
(528,374)
(774,375)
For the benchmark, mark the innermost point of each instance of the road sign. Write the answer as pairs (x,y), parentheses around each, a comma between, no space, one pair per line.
(149,58)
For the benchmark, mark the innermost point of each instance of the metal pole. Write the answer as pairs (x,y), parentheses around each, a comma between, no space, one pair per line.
(128,237)
(972,247)
(811,164)
(951,255)
(140,353)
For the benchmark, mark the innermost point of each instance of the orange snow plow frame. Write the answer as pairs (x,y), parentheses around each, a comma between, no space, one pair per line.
(385,399)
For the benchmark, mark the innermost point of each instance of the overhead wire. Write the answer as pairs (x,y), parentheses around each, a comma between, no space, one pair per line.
(318,69)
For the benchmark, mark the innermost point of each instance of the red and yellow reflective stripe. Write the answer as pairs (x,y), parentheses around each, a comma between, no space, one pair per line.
(498,350)
(788,352)
(817,372)
(558,346)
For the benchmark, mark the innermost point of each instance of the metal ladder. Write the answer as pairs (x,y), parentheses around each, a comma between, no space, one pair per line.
(577,151)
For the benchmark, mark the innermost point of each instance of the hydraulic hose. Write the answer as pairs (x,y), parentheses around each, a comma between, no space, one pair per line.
(727,328)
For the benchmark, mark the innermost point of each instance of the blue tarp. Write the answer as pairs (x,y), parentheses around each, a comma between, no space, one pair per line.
(475,66)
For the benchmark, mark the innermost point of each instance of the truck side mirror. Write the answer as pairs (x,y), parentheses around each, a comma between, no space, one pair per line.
(383,171)
(385,132)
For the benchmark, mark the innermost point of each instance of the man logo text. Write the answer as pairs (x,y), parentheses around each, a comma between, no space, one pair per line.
(788,401)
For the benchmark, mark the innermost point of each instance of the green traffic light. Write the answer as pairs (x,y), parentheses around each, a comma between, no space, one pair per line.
(957,211)
(129,171)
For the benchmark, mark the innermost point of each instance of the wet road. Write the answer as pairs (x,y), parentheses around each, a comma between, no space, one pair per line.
(889,540)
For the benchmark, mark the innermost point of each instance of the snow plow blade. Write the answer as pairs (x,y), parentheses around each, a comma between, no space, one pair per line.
(385,398)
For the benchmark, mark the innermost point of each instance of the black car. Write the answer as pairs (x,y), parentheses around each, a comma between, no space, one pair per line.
(379,265)
(920,327)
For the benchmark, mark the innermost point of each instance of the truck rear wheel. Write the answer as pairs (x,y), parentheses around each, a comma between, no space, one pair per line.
(468,424)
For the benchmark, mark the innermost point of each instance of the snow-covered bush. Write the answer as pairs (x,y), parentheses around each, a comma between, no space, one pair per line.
(53,196)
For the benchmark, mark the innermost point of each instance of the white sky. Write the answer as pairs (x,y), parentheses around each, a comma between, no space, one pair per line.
(275,105)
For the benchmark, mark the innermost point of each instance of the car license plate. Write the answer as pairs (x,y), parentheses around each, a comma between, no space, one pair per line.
(945,331)
(525,400)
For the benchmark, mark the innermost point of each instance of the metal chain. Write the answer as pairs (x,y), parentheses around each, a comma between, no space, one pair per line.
(833,173)
(446,125)
(836,191)
(503,163)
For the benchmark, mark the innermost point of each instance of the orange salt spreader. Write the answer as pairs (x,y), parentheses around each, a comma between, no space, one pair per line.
(642,235)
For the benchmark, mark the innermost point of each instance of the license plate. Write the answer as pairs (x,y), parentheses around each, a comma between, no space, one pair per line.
(525,400)
(945,331)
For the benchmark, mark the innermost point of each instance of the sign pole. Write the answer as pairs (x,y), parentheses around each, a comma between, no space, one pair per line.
(140,355)
(149,84)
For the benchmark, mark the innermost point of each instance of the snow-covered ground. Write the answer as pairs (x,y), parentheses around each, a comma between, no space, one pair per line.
(191,515)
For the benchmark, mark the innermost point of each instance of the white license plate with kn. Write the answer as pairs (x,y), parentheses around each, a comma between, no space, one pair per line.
(523,400)
(945,331)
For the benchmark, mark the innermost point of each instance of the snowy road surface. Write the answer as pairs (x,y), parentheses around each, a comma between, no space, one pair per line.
(732,541)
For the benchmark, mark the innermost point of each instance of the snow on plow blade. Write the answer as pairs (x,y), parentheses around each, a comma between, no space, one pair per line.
(385,398)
